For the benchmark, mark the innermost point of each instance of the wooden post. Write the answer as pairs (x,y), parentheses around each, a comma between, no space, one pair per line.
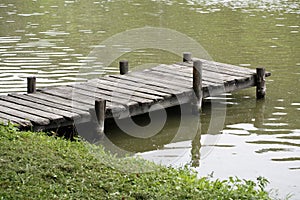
(197,84)
(123,64)
(31,84)
(260,83)
(100,110)
(187,57)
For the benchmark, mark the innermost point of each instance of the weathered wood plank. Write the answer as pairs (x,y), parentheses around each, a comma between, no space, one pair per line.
(49,109)
(137,82)
(216,69)
(103,85)
(74,105)
(52,117)
(123,85)
(219,68)
(161,81)
(76,96)
(209,77)
(228,67)
(125,100)
(26,116)
(171,73)
(15,120)
(55,104)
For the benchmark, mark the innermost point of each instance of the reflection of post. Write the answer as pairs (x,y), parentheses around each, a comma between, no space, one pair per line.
(259,114)
(196,146)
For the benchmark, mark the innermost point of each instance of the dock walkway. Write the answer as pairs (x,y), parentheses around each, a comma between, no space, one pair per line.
(125,95)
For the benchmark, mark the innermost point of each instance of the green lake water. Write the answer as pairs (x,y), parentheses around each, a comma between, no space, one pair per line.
(60,42)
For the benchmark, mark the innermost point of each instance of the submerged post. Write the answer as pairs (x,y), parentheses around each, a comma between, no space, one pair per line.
(123,65)
(100,110)
(260,83)
(31,85)
(197,84)
(187,57)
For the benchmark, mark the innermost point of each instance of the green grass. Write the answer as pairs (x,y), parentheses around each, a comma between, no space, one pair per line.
(36,166)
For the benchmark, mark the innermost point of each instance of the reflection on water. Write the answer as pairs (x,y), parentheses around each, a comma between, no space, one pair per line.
(46,39)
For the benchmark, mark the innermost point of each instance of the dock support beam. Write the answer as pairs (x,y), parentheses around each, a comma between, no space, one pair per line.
(123,65)
(31,85)
(260,83)
(197,85)
(187,57)
(100,110)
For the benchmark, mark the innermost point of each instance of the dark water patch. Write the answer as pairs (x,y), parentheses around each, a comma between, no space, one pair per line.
(292,137)
(220,145)
(294,168)
(266,150)
(286,159)
(273,142)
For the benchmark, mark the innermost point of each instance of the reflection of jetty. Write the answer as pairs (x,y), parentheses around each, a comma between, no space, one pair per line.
(127,94)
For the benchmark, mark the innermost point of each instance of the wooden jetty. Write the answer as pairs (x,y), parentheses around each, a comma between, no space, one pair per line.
(127,94)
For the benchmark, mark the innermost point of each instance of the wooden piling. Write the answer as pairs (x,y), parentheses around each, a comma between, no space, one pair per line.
(123,64)
(31,85)
(187,57)
(100,110)
(197,84)
(260,83)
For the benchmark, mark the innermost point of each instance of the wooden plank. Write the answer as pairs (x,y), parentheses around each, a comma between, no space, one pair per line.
(76,104)
(88,98)
(217,69)
(169,75)
(120,84)
(103,85)
(137,83)
(68,92)
(209,77)
(229,67)
(49,109)
(182,76)
(15,120)
(113,94)
(57,105)
(213,65)
(185,76)
(26,116)
(187,72)
(73,105)
(221,69)
(173,89)
(161,81)
(52,117)
(107,95)
(175,82)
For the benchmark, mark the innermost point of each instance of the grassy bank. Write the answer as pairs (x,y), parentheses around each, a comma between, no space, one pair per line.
(36,166)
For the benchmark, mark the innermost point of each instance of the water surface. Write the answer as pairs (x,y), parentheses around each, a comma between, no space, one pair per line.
(53,40)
